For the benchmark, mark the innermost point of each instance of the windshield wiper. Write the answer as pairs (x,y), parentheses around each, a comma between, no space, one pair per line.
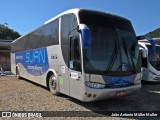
(112,58)
(128,55)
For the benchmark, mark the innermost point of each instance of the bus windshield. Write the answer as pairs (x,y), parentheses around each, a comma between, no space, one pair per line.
(114,49)
(154,58)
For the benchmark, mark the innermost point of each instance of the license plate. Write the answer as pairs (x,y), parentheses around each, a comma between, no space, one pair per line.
(120,93)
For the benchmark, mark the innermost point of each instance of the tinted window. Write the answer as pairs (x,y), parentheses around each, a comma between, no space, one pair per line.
(46,35)
(74,48)
(68,23)
(154,57)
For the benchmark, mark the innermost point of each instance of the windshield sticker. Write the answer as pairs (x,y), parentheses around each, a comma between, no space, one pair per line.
(124,67)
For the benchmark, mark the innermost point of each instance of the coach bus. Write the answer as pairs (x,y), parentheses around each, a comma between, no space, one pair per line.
(86,54)
(151,61)
(157,41)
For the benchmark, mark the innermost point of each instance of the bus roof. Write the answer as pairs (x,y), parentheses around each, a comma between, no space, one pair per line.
(146,42)
(75,11)
(143,41)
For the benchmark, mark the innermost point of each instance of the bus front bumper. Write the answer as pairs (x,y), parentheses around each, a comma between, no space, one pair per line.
(101,94)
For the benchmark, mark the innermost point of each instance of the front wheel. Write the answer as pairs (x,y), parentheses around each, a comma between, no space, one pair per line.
(53,85)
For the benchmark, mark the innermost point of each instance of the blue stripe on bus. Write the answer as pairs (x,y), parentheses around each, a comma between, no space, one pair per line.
(115,81)
(34,61)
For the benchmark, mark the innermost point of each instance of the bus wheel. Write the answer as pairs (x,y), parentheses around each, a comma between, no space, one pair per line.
(53,85)
(17,73)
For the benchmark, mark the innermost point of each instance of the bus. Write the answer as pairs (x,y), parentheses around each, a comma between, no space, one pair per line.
(157,41)
(86,54)
(150,61)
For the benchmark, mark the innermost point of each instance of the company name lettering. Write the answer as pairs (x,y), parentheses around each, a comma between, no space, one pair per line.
(37,56)
(120,81)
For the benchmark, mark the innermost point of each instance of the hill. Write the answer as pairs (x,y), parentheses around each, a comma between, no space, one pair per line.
(155,33)
(8,34)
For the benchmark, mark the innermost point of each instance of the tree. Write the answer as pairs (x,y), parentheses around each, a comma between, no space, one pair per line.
(155,33)
(7,33)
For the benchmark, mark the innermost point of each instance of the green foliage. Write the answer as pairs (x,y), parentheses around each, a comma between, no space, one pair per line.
(155,33)
(7,33)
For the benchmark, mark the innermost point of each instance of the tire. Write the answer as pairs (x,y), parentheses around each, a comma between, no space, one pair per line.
(53,85)
(17,73)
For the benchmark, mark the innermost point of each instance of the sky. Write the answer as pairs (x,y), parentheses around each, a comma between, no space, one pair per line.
(24,16)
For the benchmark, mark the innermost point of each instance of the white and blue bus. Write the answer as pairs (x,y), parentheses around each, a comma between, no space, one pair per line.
(86,54)
(151,59)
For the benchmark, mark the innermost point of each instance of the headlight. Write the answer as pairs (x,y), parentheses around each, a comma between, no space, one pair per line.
(94,85)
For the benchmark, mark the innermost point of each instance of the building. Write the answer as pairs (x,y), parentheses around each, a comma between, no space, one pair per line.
(5,46)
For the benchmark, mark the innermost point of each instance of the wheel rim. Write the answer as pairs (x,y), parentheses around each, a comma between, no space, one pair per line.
(53,83)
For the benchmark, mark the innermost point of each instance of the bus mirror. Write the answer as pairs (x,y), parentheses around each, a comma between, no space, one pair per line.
(75,65)
(86,35)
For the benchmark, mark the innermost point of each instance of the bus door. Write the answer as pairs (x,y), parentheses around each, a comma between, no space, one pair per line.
(71,76)
(75,74)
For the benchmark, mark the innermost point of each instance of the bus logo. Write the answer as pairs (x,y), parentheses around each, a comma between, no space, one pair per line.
(124,67)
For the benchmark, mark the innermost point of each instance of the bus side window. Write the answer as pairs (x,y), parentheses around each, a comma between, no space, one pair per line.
(75,63)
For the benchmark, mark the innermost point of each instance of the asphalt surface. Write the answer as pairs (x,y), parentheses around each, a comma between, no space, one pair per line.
(22,95)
